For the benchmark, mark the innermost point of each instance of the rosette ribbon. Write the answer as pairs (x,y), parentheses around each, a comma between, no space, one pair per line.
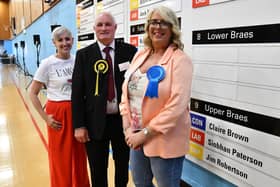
(100,66)
(155,74)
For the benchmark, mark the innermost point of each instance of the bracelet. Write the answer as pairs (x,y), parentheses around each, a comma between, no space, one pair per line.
(146,131)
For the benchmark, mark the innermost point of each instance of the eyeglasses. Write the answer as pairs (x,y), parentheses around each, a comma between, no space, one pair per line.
(161,23)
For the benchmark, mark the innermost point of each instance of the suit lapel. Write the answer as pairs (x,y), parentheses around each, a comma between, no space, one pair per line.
(117,73)
(96,54)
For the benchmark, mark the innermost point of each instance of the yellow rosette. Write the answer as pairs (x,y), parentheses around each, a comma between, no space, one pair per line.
(100,66)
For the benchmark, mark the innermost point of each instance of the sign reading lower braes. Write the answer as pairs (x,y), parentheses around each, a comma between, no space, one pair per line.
(249,34)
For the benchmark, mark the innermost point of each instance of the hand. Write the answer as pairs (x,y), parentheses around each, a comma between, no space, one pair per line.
(53,123)
(134,139)
(81,135)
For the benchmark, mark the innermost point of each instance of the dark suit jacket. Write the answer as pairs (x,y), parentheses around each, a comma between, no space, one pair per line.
(88,110)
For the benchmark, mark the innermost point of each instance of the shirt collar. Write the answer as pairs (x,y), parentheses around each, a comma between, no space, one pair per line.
(102,46)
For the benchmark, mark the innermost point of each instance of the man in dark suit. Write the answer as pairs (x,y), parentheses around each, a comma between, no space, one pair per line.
(96,93)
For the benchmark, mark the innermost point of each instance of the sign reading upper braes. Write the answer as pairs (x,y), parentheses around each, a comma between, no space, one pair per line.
(244,118)
(249,34)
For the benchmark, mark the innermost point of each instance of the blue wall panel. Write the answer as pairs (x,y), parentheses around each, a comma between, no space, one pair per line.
(8,46)
(197,176)
(62,14)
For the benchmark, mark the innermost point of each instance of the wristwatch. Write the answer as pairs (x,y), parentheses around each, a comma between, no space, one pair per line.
(146,131)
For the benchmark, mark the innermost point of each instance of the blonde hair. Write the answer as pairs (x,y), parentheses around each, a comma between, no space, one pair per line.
(60,30)
(169,16)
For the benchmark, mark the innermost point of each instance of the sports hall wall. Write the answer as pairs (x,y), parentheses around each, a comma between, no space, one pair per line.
(235,105)
(62,13)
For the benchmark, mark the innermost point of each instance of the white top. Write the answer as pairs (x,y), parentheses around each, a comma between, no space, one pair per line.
(56,74)
(136,91)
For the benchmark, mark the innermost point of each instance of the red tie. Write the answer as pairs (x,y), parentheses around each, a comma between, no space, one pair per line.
(111,90)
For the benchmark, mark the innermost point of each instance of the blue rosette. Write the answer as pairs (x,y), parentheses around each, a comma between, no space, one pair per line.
(155,74)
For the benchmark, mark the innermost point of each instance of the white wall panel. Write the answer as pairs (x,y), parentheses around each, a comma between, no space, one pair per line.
(215,53)
(224,90)
(262,54)
(219,72)
(258,95)
(268,77)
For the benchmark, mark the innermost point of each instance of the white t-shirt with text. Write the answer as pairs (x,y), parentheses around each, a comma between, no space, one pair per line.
(56,74)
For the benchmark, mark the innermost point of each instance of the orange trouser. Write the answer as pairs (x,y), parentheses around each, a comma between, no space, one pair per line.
(67,157)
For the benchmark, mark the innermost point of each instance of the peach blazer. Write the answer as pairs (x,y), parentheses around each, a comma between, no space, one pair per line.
(169,113)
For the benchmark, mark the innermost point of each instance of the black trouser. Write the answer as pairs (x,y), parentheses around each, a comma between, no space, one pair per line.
(98,154)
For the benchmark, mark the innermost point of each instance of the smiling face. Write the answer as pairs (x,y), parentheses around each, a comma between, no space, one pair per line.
(159,31)
(105,28)
(63,43)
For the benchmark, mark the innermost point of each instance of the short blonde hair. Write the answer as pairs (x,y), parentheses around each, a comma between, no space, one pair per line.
(169,16)
(60,30)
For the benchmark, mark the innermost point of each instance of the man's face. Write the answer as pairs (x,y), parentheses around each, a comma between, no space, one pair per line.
(105,28)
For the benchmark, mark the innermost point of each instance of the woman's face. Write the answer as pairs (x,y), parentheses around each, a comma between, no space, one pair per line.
(63,44)
(159,31)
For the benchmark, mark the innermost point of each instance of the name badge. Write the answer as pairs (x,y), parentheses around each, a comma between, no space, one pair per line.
(124,66)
